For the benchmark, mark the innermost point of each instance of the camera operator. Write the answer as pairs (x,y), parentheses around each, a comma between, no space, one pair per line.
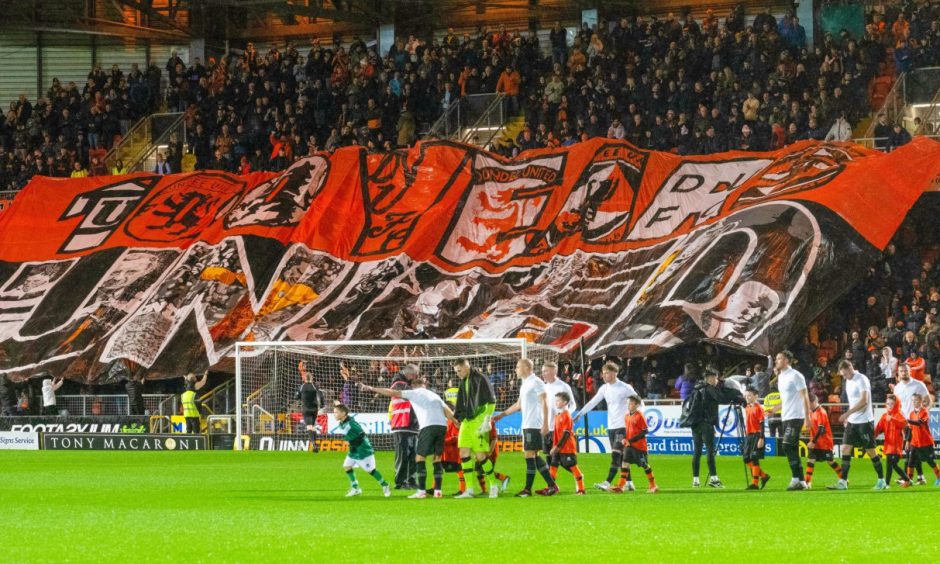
(702,417)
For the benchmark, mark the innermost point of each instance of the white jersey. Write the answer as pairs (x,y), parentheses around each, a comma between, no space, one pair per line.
(551,390)
(854,389)
(530,402)
(428,406)
(48,394)
(615,395)
(905,391)
(790,382)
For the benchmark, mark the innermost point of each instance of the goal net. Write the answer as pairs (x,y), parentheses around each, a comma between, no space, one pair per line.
(267,379)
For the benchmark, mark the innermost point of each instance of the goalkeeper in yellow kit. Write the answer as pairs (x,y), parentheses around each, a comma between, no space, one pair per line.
(475,405)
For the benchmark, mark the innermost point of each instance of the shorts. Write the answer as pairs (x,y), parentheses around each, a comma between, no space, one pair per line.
(635,456)
(791,429)
(750,452)
(922,454)
(616,437)
(431,441)
(367,464)
(470,437)
(821,454)
(859,435)
(565,460)
(532,439)
(310,418)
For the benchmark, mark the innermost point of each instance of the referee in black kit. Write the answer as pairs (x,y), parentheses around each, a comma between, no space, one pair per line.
(309,396)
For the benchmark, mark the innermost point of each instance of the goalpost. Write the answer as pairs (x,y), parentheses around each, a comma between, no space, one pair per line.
(267,378)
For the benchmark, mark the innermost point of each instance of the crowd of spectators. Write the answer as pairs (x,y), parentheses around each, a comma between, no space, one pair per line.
(668,83)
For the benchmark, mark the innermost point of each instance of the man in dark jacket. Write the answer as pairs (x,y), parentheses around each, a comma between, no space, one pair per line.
(475,405)
(404,431)
(119,371)
(703,409)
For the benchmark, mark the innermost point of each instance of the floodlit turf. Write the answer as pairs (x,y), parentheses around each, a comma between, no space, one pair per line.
(262,506)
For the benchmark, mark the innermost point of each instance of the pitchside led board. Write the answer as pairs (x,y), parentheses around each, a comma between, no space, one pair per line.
(665,434)
(634,251)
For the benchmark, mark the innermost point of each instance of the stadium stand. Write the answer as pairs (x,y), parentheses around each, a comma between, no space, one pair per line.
(699,83)
(724,81)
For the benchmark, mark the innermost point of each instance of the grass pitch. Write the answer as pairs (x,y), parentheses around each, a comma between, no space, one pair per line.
(261,506)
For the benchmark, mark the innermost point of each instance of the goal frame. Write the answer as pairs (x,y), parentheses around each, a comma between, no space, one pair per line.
(522,343)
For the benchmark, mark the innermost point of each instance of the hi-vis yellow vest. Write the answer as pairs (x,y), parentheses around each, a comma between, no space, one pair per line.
(189,404)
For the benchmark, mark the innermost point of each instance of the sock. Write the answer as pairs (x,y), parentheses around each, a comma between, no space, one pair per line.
(438,475)
(793,458)
(481,477)
(466,464)
(461,481)
(487,467)
(578,477)
(615,458)
(846,466)
(529,473)
(892,466)
(755,474)
(876,462)
(810,466)
(499,476)
(378,477)
(835,467)
(542,467)
(649,476)
(312,437)
(936,469)
(421,475)
(553,470)
(624,477)
(353,482)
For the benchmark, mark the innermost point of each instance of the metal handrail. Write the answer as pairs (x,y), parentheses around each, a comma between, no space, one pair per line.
(141,131)
(207,400)
(160,424)
(155,145)
(229,421)
(443,122)
(161,407)
(256,408)
(890,106)
(110,156)
(870,142)
(485,118)
(931,115)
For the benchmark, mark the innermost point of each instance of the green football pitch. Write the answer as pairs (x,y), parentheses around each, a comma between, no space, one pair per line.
(260,506)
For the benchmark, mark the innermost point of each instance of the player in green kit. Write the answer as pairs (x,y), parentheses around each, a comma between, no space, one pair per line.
(360,454)
(475,405)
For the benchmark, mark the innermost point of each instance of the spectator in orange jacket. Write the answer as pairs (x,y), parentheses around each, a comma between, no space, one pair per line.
(508,84)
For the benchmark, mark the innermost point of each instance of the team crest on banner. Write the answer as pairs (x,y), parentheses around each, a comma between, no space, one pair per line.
(631,250)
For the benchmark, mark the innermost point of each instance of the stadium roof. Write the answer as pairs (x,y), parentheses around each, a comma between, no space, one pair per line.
(250,19)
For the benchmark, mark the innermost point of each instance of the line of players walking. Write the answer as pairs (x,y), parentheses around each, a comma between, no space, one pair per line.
(459,436)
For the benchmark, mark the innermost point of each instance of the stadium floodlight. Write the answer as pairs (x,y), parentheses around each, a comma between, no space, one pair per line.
(267,377)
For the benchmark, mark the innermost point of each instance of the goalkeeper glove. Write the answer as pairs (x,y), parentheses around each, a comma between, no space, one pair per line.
(485,426)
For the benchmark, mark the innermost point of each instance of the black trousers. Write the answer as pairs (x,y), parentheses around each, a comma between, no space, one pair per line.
(406,445)
(193,425)
(703,434)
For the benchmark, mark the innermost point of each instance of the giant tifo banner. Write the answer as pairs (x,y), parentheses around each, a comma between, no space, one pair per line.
(634,251)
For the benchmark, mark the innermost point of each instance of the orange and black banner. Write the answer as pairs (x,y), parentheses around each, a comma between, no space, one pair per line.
(633,251)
